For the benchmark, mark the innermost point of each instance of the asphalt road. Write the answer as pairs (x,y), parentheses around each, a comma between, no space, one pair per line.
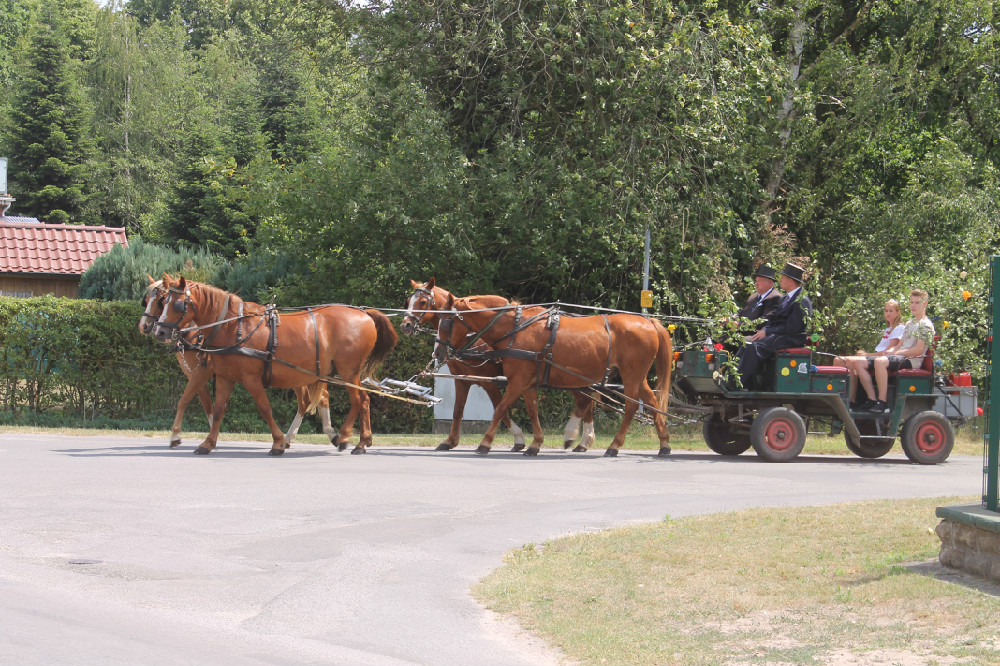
(121,551)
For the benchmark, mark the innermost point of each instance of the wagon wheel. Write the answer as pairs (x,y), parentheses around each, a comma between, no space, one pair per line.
(723,438)
(871,447)
(927,438)
(778,434)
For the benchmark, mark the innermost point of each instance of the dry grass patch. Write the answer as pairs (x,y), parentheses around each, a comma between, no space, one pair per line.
(769,586)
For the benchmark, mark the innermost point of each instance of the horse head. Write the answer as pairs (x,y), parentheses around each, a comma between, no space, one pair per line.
(424,305)
(152,303)
(178,308)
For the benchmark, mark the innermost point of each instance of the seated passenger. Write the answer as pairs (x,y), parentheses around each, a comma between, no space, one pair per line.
(863,361)
(764,301)
(786,327)
(918,336)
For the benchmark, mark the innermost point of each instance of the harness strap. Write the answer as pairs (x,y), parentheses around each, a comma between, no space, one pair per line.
(272,342)
(607,370)
(316,337)
(545,356)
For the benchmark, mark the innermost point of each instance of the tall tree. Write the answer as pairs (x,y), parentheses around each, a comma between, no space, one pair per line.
(49,145)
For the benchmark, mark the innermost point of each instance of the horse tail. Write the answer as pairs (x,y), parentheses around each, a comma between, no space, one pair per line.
(384,342)
(664,363)
(315,394)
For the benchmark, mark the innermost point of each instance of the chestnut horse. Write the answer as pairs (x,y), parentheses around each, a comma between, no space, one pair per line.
(538,347)
(287,350)
(423,309)
(310,399)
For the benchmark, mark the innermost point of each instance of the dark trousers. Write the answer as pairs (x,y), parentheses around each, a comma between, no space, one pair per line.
(750,356)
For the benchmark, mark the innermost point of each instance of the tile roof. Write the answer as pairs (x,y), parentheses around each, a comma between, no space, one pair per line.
(53,249)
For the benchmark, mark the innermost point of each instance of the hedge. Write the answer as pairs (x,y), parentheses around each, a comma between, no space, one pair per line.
(85,362)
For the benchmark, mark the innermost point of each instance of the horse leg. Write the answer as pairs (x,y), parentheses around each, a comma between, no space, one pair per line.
(259,394)
(513,393)
(302,397)
(572,430)
(582,414)
(223,389)
(365,439)
(531,404)
(455,431)
(347,427)
(324,416)
(648,397)
(643,392)
(495,395)
(584,411)
(197,381)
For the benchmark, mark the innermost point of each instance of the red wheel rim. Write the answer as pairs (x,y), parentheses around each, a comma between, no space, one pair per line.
(779,435)
(930,437)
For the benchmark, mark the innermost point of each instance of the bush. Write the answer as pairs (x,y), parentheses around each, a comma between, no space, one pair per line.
(84,362)
(120,275)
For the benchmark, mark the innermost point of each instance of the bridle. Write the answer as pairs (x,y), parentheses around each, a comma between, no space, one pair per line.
(179,306)
(429,294)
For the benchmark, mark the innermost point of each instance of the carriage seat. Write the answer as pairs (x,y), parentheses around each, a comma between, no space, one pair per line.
(820,369)
(926,368)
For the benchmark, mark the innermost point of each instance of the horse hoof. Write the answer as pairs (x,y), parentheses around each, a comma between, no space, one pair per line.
(580,448)
(342,446)
(531,452)
(276,452)
(482,450)
(174,443)
(517,447)
(202,451)
(357,450)
(288,445)
(664,451)
(444,446)
(611,453)
(568,443)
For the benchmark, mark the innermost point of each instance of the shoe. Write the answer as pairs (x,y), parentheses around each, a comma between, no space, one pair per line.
(879,407)
(861,405)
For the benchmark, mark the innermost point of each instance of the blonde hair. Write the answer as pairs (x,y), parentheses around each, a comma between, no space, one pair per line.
(919,293)
(899,312)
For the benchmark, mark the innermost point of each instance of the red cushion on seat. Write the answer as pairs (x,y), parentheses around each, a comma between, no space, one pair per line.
(831,370)
(913,371)
(793,350)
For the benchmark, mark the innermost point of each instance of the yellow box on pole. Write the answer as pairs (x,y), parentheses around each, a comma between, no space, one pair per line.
(646,298)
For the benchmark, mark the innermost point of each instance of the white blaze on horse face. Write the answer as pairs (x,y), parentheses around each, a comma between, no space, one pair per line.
(147,319)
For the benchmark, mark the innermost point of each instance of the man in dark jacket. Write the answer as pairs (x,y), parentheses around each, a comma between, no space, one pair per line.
(786,327)
(763,302)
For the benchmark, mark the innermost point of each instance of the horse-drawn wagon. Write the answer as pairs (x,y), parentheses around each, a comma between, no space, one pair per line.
(793,396)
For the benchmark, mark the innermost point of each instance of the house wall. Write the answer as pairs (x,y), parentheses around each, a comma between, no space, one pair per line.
(26,286)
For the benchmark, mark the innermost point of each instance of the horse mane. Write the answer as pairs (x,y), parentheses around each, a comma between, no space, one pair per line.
(215,298)
(485,301)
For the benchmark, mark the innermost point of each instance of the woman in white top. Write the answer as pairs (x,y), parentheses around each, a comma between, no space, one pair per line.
(864,361)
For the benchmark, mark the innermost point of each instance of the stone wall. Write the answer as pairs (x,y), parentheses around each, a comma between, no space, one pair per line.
(970,540)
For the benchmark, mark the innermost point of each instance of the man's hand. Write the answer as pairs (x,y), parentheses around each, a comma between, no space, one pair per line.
(758,335)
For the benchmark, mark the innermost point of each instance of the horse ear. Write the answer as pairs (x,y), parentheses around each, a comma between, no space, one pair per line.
(182,284)
(151,280)
(414,284)
(430,283)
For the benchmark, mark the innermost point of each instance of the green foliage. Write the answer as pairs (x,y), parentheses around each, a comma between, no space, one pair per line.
(123,273)
(64,360)
(82,358)
(49,145)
